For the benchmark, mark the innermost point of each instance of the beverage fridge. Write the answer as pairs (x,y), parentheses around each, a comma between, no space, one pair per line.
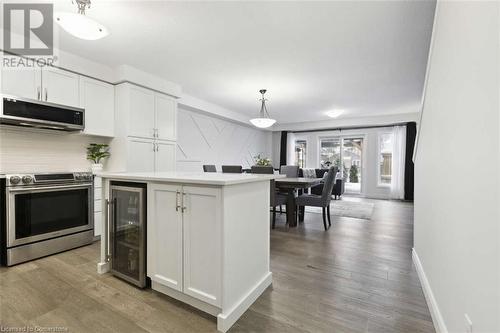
(127,231)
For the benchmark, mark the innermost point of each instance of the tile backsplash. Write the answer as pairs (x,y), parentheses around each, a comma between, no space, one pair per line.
(28,150)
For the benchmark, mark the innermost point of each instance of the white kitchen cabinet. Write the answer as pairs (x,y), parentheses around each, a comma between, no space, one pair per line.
(98,100)
(164,262)
(202,243)
(140,155)
(97,206)
(165,117)
(60,87)
(165,156)
(184,240)
(142,112)
(22,82)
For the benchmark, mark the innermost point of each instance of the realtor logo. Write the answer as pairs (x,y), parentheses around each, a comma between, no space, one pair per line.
(28,29)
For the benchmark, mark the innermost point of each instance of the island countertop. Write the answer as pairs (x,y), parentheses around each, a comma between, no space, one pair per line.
(204,178)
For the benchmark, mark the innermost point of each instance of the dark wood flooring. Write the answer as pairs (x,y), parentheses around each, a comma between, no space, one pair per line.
(356,277)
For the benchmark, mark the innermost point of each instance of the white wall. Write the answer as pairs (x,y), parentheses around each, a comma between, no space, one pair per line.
(457,167)
(29,150)
(204,139)
(370,187)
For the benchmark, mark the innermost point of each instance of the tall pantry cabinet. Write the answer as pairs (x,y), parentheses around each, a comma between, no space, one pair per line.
(145,130)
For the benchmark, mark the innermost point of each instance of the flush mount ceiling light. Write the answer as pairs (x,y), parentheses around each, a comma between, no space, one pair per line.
(264,120)
(80,25)
(334,113)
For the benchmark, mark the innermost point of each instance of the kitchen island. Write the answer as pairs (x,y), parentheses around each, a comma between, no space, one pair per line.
(207,238)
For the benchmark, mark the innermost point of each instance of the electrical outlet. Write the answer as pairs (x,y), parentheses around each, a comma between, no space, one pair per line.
(468,324)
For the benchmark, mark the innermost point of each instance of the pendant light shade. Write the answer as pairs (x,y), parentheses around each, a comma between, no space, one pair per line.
(264,120)
(79,25)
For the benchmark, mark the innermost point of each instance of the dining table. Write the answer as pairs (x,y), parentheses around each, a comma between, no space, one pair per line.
(291,186)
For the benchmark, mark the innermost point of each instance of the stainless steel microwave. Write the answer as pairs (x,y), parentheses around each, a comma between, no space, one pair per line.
(34,113)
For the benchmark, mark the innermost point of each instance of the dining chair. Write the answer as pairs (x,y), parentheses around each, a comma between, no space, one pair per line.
(291,171)
(268,170)
(209,168)
(232,169)
(322,200)
(277,199)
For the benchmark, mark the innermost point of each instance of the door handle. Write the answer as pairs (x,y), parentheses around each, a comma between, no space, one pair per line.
(38,93)
(46,94)
(184,208)
(177,206)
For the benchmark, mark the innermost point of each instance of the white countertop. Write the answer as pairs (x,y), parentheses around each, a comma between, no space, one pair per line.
(205,178)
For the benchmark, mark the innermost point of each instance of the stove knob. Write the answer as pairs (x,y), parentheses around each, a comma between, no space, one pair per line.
(27,179)
(88,177)
(79,176)
(14,180)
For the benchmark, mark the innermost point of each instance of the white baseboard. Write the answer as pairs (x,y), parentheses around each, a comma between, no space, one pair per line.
(102,267)
(437,318)
(227,319)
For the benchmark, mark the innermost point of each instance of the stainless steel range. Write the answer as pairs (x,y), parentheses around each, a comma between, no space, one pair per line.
(45,213)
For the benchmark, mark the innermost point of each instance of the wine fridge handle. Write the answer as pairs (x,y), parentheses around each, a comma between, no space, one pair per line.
(107,231)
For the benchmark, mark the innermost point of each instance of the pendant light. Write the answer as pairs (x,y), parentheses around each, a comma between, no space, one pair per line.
(264,120)
(79,25)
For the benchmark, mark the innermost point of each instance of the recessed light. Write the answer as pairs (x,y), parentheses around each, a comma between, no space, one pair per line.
(334,113)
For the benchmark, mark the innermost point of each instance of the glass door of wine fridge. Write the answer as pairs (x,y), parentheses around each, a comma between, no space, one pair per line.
(127,231)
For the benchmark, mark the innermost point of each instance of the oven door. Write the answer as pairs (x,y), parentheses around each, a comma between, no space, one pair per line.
(38,213)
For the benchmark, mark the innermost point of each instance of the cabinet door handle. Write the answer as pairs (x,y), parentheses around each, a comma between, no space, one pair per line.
(38,93)
(46,94)
(177,206)
(184,208)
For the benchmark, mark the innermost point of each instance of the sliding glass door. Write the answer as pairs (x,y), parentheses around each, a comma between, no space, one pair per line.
(345,153)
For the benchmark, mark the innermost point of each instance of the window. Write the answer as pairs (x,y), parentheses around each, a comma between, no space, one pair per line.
(300,153)
(329,153)
(385,158)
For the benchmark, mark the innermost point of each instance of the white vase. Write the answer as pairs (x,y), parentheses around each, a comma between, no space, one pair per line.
(96,167)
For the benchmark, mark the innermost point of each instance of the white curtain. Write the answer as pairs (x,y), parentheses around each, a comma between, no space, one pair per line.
(290,149)
(398,162)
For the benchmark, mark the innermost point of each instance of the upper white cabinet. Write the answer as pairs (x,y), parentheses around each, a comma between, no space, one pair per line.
(166,117)
(26,82)
(60,87)
(142,112)
(146,122)
(98,100)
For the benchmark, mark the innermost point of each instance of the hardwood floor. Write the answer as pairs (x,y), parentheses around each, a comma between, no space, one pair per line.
(356,277)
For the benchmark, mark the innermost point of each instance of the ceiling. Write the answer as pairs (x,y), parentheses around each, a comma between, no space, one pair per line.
(367,58)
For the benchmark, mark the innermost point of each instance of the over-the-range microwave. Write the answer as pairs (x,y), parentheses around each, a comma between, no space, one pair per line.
(35,113)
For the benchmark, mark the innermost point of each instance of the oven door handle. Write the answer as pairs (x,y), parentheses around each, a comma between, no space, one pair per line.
(44,188)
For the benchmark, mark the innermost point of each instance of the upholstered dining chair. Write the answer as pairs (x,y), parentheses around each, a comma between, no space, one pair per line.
(209,168)
(268,170)
(232,169)
(322,200)
(291,171)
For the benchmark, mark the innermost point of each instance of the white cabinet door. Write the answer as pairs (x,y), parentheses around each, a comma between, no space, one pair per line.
(142,112)
(166,117)
(22,82)
(165,157)
(98,100)
(140,155)
(60,86)
(202,243)
(164,245)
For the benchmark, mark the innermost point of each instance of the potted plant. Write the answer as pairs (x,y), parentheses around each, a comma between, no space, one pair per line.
(95,153)
(262,161)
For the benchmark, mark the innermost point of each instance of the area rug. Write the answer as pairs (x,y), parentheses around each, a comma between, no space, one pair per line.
(358,210)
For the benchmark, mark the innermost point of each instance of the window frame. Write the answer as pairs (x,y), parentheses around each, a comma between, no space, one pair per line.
(305,153)
(379,154)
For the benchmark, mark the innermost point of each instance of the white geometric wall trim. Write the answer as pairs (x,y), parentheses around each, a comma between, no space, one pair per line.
(203,139)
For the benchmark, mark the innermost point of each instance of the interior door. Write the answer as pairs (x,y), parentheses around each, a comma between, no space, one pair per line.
(98,99)
(60,86)
(141,155)
(22,82)
(202,243)
(165,157)
(164,245)
(166,114)
(142,112)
